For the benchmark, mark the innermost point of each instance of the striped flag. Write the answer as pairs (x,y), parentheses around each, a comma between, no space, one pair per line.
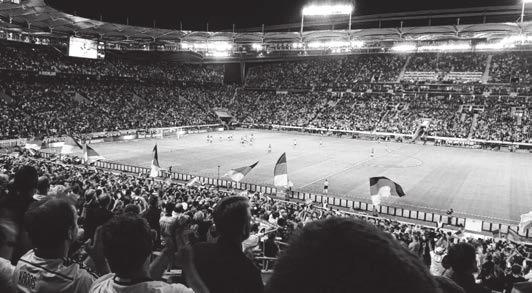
(513,236)
(195,182)
(280,173)
(526,221)
(90,155)
(70,145)
(384,187)
(35,144)
(239,173)
(155,163)
(380,187)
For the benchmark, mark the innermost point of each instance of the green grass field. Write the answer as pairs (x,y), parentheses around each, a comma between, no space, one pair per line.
(482,184)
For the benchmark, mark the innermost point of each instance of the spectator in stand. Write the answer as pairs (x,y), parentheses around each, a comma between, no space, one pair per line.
(43,186)
(96,212)
(271,249)
(515,276)
(222,265)
(152,215)
(6,268)
(342,255)
(52,228)
(460,267)
(127,243)
(15,204)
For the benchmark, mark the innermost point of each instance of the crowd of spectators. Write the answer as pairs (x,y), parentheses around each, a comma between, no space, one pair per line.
(326,72)
(35,58)
(445,63)
(90,230)
(51,108)
(510,68)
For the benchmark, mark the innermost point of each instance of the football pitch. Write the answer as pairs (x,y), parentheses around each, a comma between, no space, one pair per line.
(481,184)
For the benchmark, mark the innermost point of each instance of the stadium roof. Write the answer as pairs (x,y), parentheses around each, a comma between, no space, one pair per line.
(37,18)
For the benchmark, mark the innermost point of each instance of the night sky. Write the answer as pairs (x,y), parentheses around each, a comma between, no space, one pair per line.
(194,14)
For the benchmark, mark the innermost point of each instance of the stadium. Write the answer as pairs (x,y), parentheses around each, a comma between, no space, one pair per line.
(164,156)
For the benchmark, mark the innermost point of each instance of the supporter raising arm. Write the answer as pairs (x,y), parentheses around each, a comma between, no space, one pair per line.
(127,245)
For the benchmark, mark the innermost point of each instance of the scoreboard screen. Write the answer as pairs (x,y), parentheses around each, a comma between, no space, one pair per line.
(84,48)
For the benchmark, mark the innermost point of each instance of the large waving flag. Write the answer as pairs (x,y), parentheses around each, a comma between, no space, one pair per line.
(90,155)
(70,145)
(155,163)
(280,173)
(380,187)
(526,221)
(239,173)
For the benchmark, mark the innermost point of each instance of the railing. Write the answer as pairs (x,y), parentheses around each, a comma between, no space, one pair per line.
(470,223)
(451,140)
(106,136)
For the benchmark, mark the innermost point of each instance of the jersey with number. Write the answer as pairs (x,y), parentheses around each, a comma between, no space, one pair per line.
(35,274)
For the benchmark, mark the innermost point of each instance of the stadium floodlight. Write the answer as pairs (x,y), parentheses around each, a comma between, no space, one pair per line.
(404,48)
(326,10)
(257,46)
(523,9)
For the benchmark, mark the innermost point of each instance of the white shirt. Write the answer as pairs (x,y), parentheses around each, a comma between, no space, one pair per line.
(6,275)
(106,284)
(35,274)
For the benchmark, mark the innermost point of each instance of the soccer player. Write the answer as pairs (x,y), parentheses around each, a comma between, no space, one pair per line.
(295,142)
(269,148)
(372,154)
(326,186)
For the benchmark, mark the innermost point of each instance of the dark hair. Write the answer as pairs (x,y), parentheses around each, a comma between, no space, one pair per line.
(25,179)
(231,217)
(49,221)
(168,209)
(43,185)
(132,209)
(460,257)
(127,241)
(346,255)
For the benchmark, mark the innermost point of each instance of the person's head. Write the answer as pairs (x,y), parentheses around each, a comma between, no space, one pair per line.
(51,223)
(132,209)
(232,218)
(346,255)
(43,185)
(517,270)
(461,258)
(168,209)
(199,216)
(179,209)
(128,243)
(25,181)
(104,201)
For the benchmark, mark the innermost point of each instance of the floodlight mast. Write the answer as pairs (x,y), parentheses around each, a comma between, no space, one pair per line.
(326,10)
(523,10)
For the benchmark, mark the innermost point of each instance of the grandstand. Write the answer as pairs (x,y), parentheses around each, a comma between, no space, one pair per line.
(126,122)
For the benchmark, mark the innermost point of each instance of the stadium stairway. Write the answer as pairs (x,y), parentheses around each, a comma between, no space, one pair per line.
(403,70)
(473,127)
(486,75)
